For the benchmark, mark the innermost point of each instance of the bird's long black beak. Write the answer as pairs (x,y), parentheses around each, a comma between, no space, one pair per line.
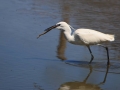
(48,29)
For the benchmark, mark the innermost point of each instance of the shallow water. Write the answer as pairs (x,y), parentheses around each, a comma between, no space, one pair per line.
(50,63)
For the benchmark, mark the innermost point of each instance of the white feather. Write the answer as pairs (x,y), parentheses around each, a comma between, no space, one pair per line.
(91,37)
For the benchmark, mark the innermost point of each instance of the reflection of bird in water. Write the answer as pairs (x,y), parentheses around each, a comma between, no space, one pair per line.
(83,85)
(79,86)
(85,37)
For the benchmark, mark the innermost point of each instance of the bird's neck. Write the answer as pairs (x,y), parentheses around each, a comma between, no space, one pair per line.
(68,34)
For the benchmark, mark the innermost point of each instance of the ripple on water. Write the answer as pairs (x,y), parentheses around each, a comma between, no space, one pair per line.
(97,66)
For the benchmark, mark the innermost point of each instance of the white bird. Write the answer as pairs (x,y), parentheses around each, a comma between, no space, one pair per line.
(86,37)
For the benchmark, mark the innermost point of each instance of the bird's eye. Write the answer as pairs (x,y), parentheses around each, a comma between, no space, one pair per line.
(58,24)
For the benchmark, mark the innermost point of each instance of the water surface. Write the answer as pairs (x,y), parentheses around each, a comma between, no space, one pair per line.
(50,62)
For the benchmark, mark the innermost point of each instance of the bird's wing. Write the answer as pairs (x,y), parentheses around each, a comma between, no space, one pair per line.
(89,37)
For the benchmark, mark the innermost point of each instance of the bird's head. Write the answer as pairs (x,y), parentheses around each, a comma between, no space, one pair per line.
(60,26)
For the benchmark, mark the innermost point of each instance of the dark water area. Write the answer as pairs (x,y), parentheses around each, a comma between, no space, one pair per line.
(50,62)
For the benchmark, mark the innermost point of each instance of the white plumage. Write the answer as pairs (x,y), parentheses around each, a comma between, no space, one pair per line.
(83,36)
(91,37)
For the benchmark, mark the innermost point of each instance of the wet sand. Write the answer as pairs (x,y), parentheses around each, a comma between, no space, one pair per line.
(50,62)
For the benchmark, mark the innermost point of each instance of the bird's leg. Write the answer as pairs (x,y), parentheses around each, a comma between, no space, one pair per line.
(92,57)
(108,62)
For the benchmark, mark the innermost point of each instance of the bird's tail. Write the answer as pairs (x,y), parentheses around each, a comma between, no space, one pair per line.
(110,37)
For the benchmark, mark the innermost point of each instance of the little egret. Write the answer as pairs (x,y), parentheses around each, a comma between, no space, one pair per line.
(86,37)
